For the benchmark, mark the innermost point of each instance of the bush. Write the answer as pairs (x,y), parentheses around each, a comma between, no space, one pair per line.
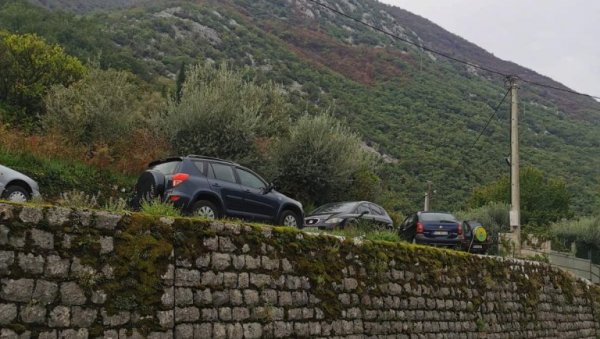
(493,216)
(584,230)
(321,160)
(220,114)
(159,208)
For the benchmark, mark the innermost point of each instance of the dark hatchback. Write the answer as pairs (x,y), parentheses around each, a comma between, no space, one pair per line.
(342,214)
(215,188)
(432,228)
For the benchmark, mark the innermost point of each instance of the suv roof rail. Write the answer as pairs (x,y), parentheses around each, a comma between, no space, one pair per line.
(210,158)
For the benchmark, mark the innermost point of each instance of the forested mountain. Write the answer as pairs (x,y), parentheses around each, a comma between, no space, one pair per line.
(421,110)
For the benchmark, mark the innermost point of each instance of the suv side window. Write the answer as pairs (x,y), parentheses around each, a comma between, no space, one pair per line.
(201,166)
(223,172)
(250,180)
(362,208)
(375,209)
(167,168)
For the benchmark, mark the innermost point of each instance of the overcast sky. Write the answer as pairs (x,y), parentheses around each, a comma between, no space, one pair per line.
(556,38)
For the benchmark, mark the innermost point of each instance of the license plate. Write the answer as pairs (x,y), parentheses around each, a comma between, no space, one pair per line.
(440,233)
(476,246)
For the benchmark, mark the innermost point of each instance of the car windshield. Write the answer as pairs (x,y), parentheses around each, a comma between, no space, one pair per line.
(438,217)
(336,207)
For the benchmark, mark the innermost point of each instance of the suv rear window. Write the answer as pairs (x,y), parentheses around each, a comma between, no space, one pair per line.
(167,168)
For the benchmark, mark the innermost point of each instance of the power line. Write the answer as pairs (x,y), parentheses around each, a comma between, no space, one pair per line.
(487,69)
(491,117)
(406,40)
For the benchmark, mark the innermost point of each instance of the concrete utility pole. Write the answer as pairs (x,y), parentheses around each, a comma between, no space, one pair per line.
(515,195)
(427,206)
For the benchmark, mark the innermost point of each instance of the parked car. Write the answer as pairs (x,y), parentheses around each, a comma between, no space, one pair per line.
(16,186)
(215,188)
(476,239)
(341,214)
(432,228)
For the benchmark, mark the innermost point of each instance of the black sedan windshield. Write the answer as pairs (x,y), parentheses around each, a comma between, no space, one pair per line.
(336,207)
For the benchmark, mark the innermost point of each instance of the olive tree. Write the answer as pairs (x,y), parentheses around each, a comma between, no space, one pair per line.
(221,114)
(322,160)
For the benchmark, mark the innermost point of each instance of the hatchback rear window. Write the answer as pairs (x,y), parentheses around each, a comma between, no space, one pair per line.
(167,168)
(438,217)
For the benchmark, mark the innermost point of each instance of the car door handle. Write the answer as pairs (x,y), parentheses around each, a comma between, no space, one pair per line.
(216,185)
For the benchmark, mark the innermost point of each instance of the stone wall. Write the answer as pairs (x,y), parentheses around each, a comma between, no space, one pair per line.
(77,274)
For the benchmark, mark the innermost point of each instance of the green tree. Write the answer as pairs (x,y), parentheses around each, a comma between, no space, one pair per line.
(102,108)
(322,160)
(220,114)
(543,200)
(29,67)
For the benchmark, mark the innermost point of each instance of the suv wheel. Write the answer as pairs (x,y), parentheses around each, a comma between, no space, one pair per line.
(206,209)
(16,194)
(290,219)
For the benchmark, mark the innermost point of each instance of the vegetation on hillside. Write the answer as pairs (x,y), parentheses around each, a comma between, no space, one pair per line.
(421,111)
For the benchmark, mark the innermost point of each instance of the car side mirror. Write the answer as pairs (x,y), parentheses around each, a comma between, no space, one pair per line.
(269,188)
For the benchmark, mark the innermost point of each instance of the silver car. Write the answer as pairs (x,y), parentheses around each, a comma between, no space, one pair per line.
(16,186)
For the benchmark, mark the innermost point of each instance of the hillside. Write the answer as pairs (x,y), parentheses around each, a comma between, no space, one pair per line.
(409,104)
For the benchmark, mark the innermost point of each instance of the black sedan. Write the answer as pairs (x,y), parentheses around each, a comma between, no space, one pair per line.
(342,214)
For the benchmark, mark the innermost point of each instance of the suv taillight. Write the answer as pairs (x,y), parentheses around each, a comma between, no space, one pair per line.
(419,227)
(179,178)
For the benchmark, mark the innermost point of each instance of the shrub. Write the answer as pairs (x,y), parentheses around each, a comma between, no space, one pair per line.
(78,199)
(585,230)
(220,114)
(320,161)
(158,207)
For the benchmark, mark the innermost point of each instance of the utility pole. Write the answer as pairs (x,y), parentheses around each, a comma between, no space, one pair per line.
(427,206)
(515,195)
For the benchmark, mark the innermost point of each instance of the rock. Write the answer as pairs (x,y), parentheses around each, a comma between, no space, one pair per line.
(45,292)
(8,313)
(33,314)
(42,239)
(19,290)
(72,294)
(60,317)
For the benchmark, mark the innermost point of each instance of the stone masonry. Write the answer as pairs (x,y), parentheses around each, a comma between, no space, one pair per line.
(79,274)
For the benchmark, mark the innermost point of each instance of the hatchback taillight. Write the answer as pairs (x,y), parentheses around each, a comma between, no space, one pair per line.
(419,227)
(179,178)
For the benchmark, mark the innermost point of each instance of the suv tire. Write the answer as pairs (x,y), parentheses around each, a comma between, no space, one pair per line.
(290,219)
(206,209)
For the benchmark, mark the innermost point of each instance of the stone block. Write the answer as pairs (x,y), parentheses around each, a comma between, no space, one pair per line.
(184,331)
(203,330)
(42,239)
(211,244)
(251,262)
(186,314)
(187,278)
(260,280)
(8,313)
(225,314)
(119,319)
(220,298)
(106,220)
(6,211)
(243,280)
(238,261)
(301,329)
(60,316)
(106,245)
(165,318)
(184,296)
(19,290)
(210,314)
(33,264)
(203,297)
(236,297)
(45,292)
(283,329)
(33,314)
(268,296)
(72,294)
(7,258)
(83,317)
(285,298)
(203,261)
(219,331)
(226,245)
(240,313)
(81,333)
(48,335)
(58,216)
(220,261)
(235,331)
(286,266)
(31,215)
(253,330)
(98,297)
(4,231)
(168,297)
(251,297)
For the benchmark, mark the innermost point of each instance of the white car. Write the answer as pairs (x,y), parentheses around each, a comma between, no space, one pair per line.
(16,186)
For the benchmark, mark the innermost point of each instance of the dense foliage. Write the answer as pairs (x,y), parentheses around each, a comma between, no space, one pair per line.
(29,66)
(422,112)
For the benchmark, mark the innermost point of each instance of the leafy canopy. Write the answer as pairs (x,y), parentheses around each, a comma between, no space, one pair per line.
(29,67)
